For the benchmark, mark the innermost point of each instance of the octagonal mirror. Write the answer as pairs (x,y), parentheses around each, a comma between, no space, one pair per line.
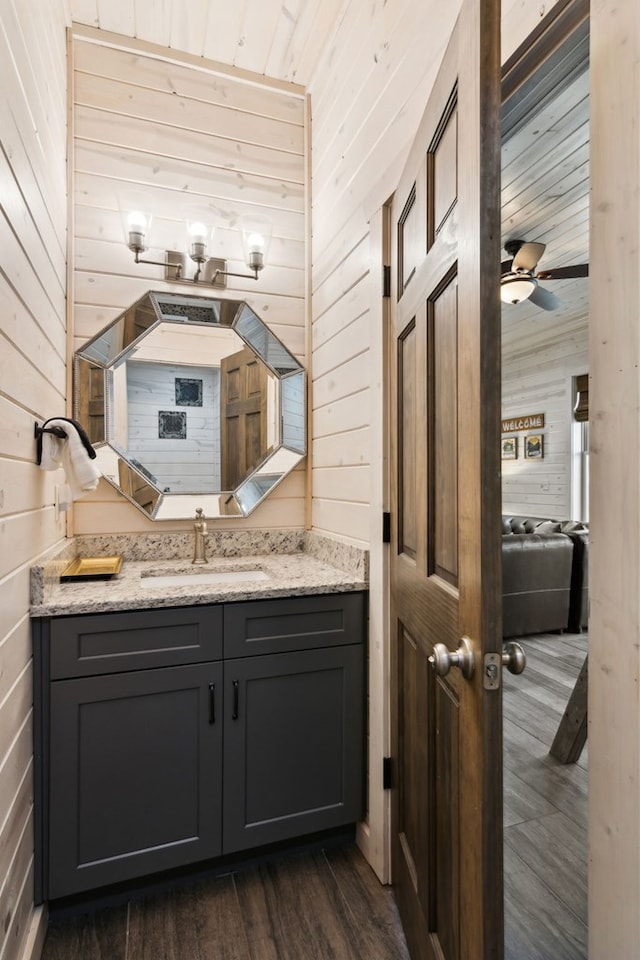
(191,402)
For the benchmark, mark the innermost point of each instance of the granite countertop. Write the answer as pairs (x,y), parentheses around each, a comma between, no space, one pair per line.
(302,571)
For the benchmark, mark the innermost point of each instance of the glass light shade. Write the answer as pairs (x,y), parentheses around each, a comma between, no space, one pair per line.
(136,216)
(256,237)
(515,287)
(199,236)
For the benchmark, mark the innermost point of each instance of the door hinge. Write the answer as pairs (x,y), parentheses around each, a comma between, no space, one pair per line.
(386,773)
(386,281)
(386,527)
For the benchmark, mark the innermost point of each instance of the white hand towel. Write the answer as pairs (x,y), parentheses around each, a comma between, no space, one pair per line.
(69,452)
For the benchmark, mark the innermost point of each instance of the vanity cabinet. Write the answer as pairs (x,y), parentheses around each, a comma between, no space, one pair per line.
(169,737)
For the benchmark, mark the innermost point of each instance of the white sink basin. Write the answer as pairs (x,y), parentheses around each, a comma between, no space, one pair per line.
(200,579)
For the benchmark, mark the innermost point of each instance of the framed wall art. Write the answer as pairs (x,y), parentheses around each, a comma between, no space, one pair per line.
(509,448)
(534,446)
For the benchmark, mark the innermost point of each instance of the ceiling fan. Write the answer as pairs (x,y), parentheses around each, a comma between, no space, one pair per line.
(519,282)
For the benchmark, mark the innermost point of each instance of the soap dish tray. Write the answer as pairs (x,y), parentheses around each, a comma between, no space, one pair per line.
(91,568)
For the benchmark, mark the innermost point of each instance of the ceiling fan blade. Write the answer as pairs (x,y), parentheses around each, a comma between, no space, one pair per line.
(505,267)
(563,273)
(545,299)
(527,256)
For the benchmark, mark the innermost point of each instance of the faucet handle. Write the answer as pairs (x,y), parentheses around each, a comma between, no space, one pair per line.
(200,531)
(201,520)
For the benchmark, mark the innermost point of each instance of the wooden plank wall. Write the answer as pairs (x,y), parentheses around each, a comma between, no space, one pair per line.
(184,133)
(32,386)
(367,96)
(559,346)
(614,405)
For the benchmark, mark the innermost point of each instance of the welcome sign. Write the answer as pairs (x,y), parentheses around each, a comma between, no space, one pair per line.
(532,421)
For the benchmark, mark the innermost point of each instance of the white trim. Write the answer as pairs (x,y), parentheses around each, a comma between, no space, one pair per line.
(373,837)
(106,38)
(36,934)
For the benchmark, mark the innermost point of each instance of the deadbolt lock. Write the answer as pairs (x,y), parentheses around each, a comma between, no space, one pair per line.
(512,657)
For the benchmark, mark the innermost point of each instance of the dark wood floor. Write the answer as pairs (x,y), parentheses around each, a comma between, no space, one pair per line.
(316,906)
(545,809)
(330,906)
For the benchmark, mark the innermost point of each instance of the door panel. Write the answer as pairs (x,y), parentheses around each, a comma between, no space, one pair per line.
(446,814)
(407,398)
(442,378)
(445,566)
(442,169)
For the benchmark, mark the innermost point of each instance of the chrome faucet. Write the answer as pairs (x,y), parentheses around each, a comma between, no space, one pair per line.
(201,534)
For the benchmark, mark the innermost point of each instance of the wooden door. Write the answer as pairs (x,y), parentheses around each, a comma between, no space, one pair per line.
(445,390)
(243,415)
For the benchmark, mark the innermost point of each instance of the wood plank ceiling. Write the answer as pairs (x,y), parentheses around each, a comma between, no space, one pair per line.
(545,197)
(282,39)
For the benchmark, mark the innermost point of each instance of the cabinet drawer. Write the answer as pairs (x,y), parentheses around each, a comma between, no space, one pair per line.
(294,623)
(115,642)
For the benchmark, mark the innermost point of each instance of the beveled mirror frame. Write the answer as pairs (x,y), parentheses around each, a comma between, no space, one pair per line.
(94,377)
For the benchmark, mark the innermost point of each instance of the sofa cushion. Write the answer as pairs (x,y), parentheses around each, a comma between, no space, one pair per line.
(548,526)
(527,524)
(574,526)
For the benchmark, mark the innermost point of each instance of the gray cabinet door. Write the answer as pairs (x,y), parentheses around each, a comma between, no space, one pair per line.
(293,744)
(135,774)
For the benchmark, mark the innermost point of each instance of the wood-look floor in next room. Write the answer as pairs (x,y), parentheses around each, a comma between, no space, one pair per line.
(545,809)
(329,905)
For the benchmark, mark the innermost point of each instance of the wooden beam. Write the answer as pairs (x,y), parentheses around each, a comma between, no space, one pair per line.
(572,732)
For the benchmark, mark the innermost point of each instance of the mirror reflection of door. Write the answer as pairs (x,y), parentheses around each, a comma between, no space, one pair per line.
(545,199)
(90,404)
(243,416)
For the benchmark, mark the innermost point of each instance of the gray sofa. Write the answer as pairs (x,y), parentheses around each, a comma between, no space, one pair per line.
(544,575)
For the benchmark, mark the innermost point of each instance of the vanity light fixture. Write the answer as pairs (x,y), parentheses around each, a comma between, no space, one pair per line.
(137,217)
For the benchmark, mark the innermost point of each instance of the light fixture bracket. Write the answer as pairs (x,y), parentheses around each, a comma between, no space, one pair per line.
(212,271)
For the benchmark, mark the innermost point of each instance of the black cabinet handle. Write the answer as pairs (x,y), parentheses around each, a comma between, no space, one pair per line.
(234,714)
(212,703)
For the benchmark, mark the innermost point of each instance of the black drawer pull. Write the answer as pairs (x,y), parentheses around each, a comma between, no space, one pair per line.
(212,703)
(234,714)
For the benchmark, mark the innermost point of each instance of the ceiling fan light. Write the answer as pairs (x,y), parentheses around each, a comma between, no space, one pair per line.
(516,287)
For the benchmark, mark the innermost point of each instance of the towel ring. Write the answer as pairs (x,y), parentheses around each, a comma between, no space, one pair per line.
(39,430)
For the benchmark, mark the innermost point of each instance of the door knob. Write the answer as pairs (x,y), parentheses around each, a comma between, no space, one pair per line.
(513,657)
(442,659)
